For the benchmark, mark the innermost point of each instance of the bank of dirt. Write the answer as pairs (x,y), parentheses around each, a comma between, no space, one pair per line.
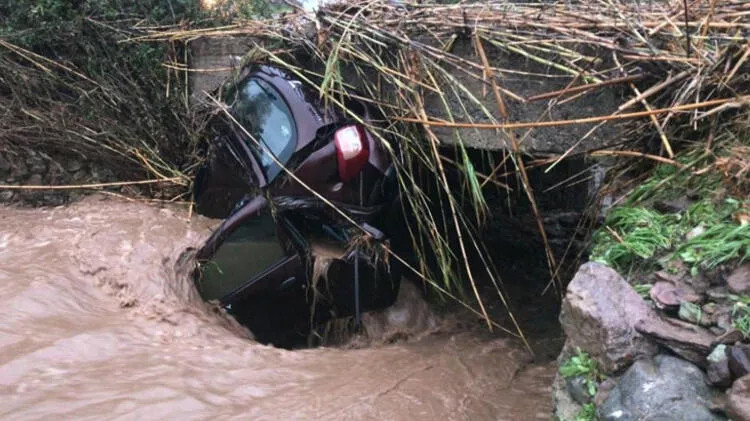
(100,320)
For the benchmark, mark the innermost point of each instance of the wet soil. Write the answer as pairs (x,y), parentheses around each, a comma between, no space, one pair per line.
(99,320)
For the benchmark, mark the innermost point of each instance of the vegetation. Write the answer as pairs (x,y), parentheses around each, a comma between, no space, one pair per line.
(643,290)
(707,229)
(587,413)
(582,365)
(741,314)
(72,84)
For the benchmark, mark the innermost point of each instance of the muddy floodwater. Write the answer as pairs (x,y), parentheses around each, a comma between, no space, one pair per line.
(99,320)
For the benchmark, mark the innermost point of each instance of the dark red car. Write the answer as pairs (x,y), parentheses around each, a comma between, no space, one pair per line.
(283,261)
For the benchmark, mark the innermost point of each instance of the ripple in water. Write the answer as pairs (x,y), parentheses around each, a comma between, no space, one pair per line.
(99,320)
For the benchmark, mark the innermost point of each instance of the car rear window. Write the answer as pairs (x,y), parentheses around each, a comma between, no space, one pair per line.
(263,112)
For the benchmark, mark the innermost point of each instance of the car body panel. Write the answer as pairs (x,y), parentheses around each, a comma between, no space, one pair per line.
(281,299)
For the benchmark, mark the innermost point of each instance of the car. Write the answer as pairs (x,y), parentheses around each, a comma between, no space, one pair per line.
(284,261)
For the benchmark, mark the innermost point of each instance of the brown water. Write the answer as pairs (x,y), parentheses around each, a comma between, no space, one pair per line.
(99,320)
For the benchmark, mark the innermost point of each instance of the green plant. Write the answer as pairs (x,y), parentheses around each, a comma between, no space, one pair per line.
(741,316)
(718,244)
(582,365)
(633,235)
(636,238)
(587,413)
(643,290)
(73,83)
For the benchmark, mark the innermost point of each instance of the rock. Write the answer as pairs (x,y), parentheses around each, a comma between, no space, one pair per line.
(729,337)
(602,392)
(72,165)
(660,388)
(692,313)
(565,407)
(717,331)
(598,315)
(672,206)
(700,229)
(711,310)
(718,373)
(668,296)
(738,281)
(700,283)
(4,165)
(724,318)
(80,175)
(668,276)
(19,169)
(53,199)
(687,340)
(739,360)
(578,390)
(718,294)
(34,180)
(738,399)
(6,196)
(36,164)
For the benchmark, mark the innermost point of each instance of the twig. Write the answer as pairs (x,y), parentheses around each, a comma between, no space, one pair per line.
(638,155)
(583,88)
(176,180)
(553,123)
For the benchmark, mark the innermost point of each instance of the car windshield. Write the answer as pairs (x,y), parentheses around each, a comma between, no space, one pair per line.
(266,116)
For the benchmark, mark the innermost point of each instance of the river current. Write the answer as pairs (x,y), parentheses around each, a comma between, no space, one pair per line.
(99,320)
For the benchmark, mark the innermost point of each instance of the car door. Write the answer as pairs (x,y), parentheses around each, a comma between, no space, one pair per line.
(250,254)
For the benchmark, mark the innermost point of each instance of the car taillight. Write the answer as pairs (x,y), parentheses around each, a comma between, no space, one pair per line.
(352,150)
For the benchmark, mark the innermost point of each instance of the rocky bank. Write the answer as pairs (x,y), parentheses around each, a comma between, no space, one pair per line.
(675,351)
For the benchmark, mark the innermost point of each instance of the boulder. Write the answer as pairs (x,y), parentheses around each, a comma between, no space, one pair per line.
(738,399)
(718,367)
(566,408)
(603,390)
(668,295)
(660,388)
(687,340)
(729,337)
(5,165)
(695,314)
(35,180)
(739,360)
(738,281)
(718,293)
(72,165)
(598,315)
(578,390)
(6,196)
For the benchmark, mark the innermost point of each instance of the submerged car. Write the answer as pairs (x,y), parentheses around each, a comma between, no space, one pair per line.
(284,260)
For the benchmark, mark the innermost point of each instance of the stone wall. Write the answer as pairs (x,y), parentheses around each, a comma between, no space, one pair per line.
(36,168)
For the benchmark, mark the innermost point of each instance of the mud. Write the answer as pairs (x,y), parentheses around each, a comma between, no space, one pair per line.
(99,320)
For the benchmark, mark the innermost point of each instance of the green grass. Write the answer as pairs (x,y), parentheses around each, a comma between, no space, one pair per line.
(741,315)
(587,413)
(636,238)
(73,83)
(643,290)
(719,244)
(635,235)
